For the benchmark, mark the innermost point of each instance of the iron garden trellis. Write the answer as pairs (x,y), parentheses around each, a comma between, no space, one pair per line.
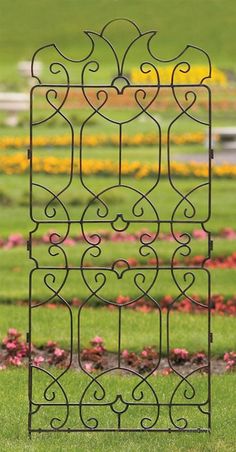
(95,406)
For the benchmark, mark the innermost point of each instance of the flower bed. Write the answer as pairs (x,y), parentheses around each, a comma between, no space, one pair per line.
(15,352)
(219,304)
(19,164)
(17,239)
(138,139)
(192,75)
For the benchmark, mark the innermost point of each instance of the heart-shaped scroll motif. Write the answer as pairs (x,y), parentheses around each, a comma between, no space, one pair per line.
(118,88)
(119,271)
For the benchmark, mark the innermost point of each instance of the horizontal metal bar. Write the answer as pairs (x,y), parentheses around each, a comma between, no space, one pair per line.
(164,85)
(168,430)
(77,404)
(127,220)
(125,269)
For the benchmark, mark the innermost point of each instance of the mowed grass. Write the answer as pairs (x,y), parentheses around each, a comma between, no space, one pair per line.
(214,34)
(15,198)
(15,266)
(97,126)
(186,330)
(13,413)
(15,218)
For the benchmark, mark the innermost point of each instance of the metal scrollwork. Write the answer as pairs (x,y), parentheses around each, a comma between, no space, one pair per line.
(95,406)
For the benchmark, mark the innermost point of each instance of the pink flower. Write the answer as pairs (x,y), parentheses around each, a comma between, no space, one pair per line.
(3,367)
(99,349)
(199,358)
(125,354)
(179,355)
(45,238)
(229,233)
(38,360)
(97,340)
(15,361)
(14,240)
(13,332)
(230,359)
(230,365)
(88,367)
(23,349)
(11,346)
(70,242)
(5,340)
(149,353)
(199,234)
(51,345)
(226,356)
(59,352)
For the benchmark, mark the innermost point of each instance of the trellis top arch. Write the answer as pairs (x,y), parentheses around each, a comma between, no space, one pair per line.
(138,53)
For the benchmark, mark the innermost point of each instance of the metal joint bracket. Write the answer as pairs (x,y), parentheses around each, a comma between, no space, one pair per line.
(28,245)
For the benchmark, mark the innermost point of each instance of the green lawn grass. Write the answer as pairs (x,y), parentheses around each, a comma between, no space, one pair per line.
(15,188)
(98,126)
(13,414)
(115,250)
(210,25)
(15,265)
(186,330)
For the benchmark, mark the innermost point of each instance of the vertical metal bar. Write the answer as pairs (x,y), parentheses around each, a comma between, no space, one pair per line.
(209,284)
(119,334)
(120,152)
(209,351)
(30,281)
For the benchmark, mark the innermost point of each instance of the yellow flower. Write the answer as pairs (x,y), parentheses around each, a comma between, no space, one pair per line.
(18,164)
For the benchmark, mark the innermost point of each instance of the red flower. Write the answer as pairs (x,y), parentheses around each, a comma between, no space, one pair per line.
(121,299)
(143,308)
(167,371)
(132,262)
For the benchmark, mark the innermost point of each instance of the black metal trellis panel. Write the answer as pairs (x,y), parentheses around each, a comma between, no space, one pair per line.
(95,405)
